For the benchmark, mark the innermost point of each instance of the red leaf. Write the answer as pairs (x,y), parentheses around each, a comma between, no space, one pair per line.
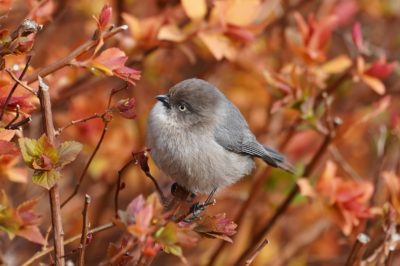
(105,16)
(356,34)
(125,108)
(380,69)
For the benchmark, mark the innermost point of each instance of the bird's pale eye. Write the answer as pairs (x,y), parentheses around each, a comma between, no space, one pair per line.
(182,107)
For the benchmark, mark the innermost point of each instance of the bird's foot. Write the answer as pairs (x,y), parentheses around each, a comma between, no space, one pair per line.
(197,208)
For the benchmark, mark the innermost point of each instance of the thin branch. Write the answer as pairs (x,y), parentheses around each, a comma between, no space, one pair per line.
(357,250)
(158,188)
(258,250)
(22,83)
(17,110)
(81,178)
(118,188)
(284,205)
(58,233)
(87,46)
(3,110)
(20,123)
(78,121)
(46,251)
(85,229)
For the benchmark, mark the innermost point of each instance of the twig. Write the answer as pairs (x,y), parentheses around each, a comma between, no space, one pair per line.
(58,233)
(3,110)
(15,118)
(284,205)
(21,123)
(46,251)
(158,188)
(333,150)
(260,247)
(106,121)
(125,249)
(81,178)
(118,188)
(23,84)
(85,229)
(87,46)
(357,250)
(78,121)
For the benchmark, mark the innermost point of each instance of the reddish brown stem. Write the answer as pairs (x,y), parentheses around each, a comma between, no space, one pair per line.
(3,110)
(58,233)
(87,46)
(85,229)
(357,250)
(284,205)
(118,188)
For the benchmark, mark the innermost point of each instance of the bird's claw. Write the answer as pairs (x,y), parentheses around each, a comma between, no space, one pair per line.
(197,208)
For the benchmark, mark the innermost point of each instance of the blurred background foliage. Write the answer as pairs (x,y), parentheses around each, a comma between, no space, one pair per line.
(293,68)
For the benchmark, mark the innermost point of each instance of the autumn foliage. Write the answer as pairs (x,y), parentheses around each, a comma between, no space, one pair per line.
(317,80)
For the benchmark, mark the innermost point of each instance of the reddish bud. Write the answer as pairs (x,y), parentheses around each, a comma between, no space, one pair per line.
(356,34)
(105,16)
(125,108)
(380,69)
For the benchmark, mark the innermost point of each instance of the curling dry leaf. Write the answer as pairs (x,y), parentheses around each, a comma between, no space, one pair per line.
(125,108)
(216,226)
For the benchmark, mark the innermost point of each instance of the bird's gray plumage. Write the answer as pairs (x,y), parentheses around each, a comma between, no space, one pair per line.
(208,145)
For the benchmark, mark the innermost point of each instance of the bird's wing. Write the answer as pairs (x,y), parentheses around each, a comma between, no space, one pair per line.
(233,134)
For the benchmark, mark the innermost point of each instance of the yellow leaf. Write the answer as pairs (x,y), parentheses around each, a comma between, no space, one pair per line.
(219,45)
(133,24)
(374,83)
(195,9)
(238,12)
(337,65)
(171,33)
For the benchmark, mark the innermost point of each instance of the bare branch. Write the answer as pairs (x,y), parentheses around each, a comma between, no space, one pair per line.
(3,110)
(22,83)
(78,121)
(58,234)
(357,250)
(46,251)
(118,188)
(85,229)
(87,46)
(15,118)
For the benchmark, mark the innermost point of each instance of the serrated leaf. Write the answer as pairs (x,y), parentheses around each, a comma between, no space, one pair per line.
(30,149)
(68,152)
(46,179)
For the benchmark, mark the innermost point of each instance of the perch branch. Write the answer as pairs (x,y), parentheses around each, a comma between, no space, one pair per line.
(58,233)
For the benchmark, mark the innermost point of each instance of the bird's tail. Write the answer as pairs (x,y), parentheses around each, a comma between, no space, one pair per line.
(276,159)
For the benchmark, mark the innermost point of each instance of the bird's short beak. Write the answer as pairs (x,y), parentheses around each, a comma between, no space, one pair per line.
(164,99)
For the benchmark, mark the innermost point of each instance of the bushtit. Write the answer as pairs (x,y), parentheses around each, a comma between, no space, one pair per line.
(201,140)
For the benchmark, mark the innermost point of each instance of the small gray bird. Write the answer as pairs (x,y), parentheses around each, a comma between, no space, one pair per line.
(200,139)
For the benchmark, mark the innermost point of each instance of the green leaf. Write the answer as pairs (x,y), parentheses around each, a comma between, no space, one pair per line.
(174,250)
(167,234)
(46,179)
(68,151)
(48,149)
(30,150)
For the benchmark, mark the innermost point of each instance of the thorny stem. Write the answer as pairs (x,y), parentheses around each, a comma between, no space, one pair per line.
(284,205)
(85,229)
(87,46)
(58,234)
(68,241)
(118,188)
(3,110)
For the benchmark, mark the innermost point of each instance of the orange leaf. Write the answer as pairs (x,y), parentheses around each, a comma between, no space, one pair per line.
(219,45)
(374,83)
(195,9)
